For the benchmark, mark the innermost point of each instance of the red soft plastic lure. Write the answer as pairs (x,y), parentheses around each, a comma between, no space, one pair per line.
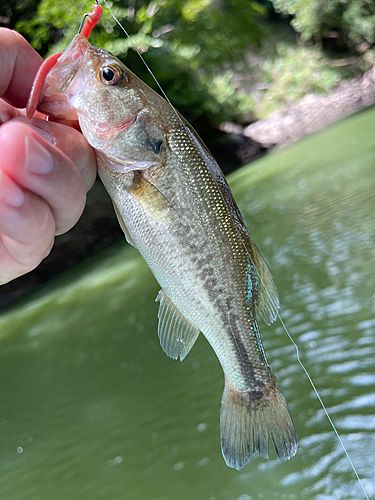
(88,24)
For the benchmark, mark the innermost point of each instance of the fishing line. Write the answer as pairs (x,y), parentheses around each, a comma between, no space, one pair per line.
(323,406)
(278,314)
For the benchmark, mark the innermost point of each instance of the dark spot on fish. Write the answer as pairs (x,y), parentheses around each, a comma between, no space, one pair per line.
(204,262)
(204,272)
(156,145)
(255,394)
(217,302)
(195,248)
(250,372)
(211,283)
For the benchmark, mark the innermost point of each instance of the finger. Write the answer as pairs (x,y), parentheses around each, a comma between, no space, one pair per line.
(9,269)
(27,229)
(7,112)
(24,216)
(19,258)
(19,65)
(73,144)
(41,168)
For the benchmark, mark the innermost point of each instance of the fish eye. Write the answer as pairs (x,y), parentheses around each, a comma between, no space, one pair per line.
(111,74)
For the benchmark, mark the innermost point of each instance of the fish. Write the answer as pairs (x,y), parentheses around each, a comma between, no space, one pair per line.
(175,206)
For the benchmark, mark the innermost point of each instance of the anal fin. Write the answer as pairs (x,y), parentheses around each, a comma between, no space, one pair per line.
(177,335)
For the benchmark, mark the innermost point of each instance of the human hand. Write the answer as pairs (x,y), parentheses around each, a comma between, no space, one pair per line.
(46,168)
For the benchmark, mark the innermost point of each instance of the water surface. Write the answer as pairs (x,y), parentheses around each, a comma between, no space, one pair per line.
(91,408)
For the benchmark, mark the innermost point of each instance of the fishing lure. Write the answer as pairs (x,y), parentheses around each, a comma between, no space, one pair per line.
(88,23)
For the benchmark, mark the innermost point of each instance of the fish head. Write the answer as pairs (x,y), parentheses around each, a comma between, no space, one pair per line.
(113,106)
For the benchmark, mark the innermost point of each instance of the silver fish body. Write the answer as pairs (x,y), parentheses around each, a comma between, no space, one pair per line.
(178,218)
(176,208)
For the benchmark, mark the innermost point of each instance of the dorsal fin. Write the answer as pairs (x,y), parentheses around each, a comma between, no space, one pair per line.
(176,334)
(267,298)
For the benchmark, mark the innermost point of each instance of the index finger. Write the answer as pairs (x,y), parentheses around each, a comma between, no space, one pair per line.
(19,64)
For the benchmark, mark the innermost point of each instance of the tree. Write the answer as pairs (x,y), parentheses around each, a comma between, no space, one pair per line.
(352,22)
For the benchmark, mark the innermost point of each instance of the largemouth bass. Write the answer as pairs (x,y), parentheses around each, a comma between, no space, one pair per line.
(174,205)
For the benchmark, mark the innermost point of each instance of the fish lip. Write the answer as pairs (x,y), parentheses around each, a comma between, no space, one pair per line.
(71,60)
(54,102)
(103,129)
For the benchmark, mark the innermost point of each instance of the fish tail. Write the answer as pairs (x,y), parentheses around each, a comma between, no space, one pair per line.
(250,420)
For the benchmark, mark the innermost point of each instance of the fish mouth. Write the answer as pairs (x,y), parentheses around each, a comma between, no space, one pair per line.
(55,100)
(59,92)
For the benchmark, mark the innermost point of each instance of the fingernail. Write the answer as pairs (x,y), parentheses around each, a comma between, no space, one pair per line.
(10,193)
(38,159)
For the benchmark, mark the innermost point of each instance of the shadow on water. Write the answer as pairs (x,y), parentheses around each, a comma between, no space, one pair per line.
(92,409)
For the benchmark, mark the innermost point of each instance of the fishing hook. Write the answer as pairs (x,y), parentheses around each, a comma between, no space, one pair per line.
(90,19)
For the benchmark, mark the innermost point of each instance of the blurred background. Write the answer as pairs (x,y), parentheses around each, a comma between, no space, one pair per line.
(91,407)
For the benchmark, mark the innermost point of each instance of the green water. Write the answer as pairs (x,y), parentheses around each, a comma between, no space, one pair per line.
(91,408)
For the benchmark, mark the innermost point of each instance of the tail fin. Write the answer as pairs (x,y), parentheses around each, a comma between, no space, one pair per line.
(249,420)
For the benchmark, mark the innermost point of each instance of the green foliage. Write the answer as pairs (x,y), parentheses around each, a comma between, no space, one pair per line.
(50,21)
(188,44)
(353,21)
(293,72)
(11,11)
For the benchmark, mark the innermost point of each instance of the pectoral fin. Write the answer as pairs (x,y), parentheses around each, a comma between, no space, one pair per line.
(122,225)
(151,199)
(176,334)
